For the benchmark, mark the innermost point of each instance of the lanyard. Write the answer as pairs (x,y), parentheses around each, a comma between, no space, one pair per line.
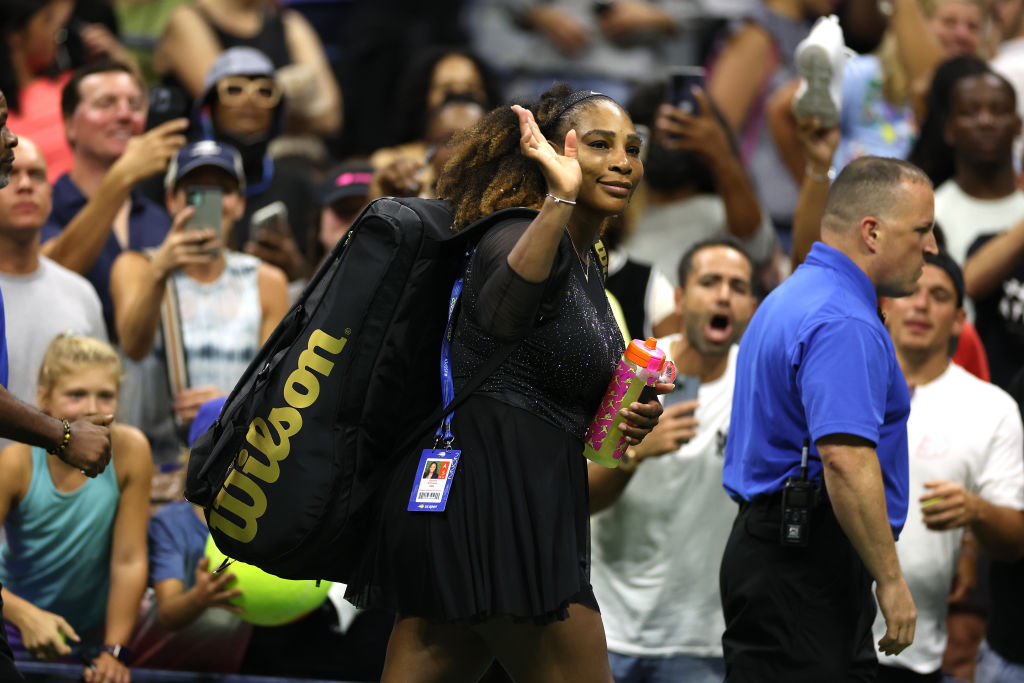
(447,385)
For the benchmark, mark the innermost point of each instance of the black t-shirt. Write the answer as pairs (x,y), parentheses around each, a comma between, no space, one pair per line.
(999,319)
(1006,618)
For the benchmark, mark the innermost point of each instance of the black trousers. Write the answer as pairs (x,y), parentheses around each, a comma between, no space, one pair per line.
(795,615)
(892,674)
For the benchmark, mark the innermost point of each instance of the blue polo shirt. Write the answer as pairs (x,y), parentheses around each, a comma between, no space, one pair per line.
(816,360)
(3,345)
(148,224)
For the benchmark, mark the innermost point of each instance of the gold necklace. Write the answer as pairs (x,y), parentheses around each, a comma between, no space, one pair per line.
(583,264)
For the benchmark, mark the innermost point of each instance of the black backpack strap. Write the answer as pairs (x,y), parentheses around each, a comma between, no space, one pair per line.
(481,374)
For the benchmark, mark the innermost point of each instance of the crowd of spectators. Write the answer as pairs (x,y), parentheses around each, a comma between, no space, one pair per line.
(295,114)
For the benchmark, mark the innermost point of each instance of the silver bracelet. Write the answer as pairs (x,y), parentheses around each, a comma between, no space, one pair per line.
(825,177)
(559,200)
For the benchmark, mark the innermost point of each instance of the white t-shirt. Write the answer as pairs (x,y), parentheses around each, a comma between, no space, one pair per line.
(39,306)
(964,218)
(965,430)
(656,551)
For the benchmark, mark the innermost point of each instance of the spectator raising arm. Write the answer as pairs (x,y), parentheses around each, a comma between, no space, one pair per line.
(138,283)
(919,49)
(79,245)
(705,136)
(740,73)
(993,262)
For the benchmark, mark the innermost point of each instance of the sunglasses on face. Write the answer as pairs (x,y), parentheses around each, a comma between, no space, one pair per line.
(233,90)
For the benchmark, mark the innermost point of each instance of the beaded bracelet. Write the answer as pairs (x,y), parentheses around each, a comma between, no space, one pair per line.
(559,200)
(59,450)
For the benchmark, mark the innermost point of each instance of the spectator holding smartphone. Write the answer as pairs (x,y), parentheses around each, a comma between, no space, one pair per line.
(227,303)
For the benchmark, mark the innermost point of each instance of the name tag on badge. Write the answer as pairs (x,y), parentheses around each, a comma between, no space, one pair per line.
(433,480)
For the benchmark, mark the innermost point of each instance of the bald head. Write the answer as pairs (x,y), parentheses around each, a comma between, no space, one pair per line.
(868,186)
(25,203)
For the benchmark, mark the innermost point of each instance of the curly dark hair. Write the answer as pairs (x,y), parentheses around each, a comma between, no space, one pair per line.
(487,172)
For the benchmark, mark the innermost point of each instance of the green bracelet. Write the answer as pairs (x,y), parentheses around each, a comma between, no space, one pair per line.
(59,450)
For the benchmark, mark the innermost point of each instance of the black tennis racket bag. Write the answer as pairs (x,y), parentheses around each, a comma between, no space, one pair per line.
(348,380)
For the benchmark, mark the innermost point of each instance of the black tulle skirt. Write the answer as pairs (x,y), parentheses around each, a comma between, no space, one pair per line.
(513,541)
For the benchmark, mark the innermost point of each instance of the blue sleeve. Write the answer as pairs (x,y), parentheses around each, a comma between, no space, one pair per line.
(167,554)
(3,345)
(842,375)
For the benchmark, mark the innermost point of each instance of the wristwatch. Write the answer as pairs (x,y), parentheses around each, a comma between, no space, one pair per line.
(118,652)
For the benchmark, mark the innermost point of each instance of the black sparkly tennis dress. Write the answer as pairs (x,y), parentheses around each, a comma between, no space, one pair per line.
(514,539)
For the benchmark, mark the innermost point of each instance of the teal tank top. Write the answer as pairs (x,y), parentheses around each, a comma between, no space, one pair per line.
(56,553)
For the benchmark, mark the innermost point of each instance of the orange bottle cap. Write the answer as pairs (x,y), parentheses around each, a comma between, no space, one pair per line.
(643,353)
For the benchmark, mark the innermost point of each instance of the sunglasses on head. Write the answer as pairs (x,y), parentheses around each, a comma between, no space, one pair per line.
(233,90)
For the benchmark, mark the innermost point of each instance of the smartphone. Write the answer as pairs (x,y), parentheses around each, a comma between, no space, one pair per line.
(271,218)
(209,209)
(686,388)
(165,104)
(679,87)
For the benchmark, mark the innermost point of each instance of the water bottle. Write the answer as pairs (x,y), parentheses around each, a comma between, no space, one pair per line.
(640,367)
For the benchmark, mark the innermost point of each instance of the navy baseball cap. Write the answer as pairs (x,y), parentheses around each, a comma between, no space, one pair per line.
(205,417)
(204,153)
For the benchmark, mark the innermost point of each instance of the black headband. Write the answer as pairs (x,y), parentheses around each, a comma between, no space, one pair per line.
(572,100)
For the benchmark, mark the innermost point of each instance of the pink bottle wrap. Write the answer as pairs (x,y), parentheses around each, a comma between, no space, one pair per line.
(604,443)
(600,427)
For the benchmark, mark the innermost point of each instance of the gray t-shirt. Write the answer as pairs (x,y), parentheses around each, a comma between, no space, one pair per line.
(39,306)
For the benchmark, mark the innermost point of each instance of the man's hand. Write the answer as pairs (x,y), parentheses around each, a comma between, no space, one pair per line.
(149,153)
(211,590)
(89,447)
(279,249)
(106,669)
(947,505)
(43,633)
(183,247)
(676,426)
(899,613)
(187,403)
(563,31)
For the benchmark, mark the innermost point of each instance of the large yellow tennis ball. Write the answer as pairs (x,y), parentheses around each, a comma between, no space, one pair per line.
(268,600)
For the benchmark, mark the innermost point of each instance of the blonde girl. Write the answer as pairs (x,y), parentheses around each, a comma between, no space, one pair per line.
(73,563)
